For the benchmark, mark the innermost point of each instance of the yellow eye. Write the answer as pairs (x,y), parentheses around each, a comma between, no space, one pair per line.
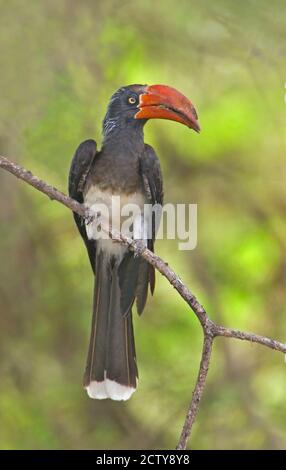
(132,100)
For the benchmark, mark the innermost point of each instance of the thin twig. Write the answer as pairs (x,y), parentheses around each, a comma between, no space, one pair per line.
(197,393)
(252,337)
(41,185)
(210,329)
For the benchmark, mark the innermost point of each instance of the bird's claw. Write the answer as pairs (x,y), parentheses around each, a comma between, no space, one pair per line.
(139,248)
(90,217)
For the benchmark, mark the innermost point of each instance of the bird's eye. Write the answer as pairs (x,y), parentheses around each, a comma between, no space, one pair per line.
(131,100)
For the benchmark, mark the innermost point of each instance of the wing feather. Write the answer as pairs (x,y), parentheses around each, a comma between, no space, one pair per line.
(153,186)
(79,170)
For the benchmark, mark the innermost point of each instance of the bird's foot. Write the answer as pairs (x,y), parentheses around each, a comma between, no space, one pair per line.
(90,217)
(139,248)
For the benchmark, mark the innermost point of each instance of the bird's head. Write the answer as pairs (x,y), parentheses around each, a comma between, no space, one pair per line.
(133,105)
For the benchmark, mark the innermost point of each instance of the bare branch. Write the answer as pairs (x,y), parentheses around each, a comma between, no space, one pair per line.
(252,337)
(41,185)
(198,391)
(210,329)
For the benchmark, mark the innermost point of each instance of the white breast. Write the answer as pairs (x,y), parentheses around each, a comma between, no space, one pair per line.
(121,212)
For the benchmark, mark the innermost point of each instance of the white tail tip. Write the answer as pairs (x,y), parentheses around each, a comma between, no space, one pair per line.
(109,389)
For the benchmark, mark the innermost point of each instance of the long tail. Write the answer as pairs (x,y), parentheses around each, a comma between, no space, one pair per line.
(111,370)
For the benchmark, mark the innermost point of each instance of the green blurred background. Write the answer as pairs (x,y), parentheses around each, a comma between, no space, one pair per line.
(60,60)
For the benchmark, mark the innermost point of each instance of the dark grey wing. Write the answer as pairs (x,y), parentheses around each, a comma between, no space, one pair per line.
(152,174)
(152,181)
(79,170)
(153,186)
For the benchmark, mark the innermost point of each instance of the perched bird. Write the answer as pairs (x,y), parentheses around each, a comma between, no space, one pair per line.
(128,168)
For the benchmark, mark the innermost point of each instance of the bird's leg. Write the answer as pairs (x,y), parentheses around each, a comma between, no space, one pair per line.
(93,220)
(139,235)
(139,248)
(89,217)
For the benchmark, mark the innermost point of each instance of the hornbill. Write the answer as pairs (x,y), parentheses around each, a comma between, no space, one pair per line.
(125,167)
